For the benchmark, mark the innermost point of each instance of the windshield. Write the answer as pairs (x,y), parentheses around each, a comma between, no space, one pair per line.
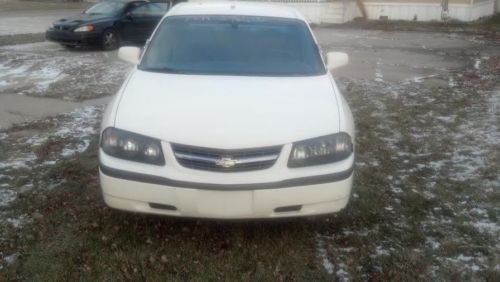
(233,45)
(105,8)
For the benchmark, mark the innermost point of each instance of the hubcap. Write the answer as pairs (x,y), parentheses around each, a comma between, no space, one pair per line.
(109,39)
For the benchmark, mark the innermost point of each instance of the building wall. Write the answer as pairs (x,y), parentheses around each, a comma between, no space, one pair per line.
(321,12)
(315,11)
(421,1)
(482,8)
(340,11)
(429,10)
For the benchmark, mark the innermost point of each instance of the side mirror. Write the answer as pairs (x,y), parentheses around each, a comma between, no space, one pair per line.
(128,16)
(130,54)
(336,59)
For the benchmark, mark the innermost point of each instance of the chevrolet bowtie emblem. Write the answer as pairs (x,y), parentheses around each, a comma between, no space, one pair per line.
(226,162)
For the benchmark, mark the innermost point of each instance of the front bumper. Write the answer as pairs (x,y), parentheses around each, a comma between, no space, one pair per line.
(157,197)
(67,37)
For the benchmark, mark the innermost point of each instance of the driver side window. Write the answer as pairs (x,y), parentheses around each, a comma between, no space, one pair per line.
(150,10)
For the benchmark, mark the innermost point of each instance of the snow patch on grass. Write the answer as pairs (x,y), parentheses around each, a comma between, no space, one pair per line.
(477,64)
(80,126)
(16,162)
(432,243)
(3,135)
(340,269)
(485,226)
(6,196)
(74,130)
(381,251)
(77,127)
(18,222)
(46,69)
(469,263)
(379,77)
(10,259)
(323,255)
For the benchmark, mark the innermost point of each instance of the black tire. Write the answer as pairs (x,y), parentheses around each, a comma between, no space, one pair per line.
(110,40)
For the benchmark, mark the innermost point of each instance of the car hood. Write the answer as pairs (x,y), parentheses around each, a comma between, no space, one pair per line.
(80,19)
(228,112)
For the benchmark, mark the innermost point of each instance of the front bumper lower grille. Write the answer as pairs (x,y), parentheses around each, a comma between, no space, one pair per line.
(226,160)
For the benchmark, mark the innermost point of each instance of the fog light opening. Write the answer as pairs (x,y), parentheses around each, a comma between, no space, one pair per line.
(162,207)
(288,208)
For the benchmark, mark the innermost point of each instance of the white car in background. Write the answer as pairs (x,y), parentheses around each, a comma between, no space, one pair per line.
(230,112)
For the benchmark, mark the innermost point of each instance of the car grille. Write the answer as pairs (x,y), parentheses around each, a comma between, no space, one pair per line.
(226,160)
(61,27)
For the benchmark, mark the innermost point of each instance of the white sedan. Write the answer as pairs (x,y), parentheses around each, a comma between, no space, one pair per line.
(229,112)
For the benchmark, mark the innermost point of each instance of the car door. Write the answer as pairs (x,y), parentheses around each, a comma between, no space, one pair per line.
(140,21)
(125,26)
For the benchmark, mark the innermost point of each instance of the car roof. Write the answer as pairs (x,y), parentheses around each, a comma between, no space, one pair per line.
(235,8)
(123,1)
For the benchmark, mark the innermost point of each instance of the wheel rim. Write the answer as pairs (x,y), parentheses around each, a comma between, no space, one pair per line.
(109,39)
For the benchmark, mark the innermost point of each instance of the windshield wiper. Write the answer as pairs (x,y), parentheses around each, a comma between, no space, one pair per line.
(164,70)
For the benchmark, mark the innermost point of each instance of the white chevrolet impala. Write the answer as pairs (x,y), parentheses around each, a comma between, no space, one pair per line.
(229,112)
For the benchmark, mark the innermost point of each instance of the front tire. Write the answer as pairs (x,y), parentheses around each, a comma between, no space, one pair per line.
(109,40)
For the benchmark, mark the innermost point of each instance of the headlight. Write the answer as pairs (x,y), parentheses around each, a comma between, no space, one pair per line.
(85,28)
(321,150)
(130,146)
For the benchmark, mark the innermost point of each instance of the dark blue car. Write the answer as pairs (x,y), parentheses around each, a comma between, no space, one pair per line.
(109,24)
